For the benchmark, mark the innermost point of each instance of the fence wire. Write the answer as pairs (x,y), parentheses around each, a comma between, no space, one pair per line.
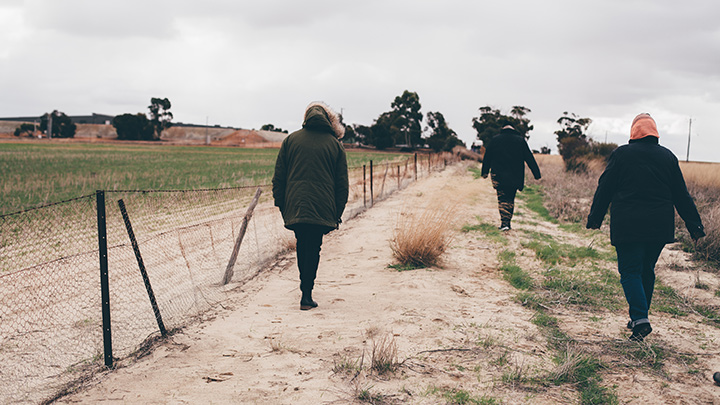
(51,330)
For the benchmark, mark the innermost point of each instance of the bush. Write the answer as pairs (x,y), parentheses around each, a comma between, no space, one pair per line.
(133,127)
(25,129)
(420,238)
(62,125)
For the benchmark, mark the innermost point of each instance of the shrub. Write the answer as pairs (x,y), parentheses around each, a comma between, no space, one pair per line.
(25,129)
(421,238)
(133,127)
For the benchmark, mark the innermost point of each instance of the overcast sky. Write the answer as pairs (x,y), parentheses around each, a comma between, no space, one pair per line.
(245,64)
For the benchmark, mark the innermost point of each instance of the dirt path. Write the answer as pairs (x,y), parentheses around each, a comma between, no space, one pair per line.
(457,329)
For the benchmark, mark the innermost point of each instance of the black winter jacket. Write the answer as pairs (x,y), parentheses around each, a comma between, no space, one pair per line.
(310,184)
(642,183)
(505,158)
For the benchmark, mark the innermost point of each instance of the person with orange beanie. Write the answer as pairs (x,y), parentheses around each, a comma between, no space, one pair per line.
(643,186)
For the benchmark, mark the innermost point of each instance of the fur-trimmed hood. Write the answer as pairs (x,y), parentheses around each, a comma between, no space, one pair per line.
(319,115)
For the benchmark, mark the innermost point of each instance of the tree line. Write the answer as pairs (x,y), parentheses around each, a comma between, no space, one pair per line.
(401,126)
(128,126)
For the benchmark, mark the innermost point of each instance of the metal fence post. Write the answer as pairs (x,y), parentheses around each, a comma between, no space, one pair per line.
(141,265)
(364,189)
(104,284)
(398,176)
(372,196)
(415,157)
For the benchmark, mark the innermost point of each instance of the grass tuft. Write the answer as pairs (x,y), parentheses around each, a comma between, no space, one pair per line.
(421,238)
(384,357)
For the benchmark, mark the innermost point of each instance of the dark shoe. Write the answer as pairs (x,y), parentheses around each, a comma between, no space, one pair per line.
(307,304)
(639,331)
(630,324)
(716,377)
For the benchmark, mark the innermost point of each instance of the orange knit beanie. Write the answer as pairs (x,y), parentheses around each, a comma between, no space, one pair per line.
(643,125)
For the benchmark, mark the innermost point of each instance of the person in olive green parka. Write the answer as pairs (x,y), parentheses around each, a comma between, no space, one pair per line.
(310,186)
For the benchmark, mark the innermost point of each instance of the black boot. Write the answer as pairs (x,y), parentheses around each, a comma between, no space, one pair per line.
(639,331)
(306,302)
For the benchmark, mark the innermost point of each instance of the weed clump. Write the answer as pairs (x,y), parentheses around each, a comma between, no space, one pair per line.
(421,238)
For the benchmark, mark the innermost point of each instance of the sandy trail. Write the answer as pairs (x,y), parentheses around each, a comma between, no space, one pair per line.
(452,325)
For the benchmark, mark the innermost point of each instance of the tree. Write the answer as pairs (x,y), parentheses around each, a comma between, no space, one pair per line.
(363,134)
(350,135)
(160,115)
(441,136)
(25,129)
(382,132)
(271,127)
(400,125)
(491,121)
(62,125)
(131,127)
(406,119)
(572,141)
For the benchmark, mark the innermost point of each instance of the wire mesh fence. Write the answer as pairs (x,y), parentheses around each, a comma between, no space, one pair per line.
(51,316)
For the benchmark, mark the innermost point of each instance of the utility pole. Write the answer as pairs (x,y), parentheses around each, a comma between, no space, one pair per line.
(207,136)
(687,158)
(49,128)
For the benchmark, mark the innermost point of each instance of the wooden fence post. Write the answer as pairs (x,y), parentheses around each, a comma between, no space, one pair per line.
(233,257)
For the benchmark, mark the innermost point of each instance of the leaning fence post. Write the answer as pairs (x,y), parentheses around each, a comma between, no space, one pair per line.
(382,186)
(104,283)
(233,257)
(143,272)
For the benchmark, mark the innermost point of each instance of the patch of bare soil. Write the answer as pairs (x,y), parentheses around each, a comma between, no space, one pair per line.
(448,334)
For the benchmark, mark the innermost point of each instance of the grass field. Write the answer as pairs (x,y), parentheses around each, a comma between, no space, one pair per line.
(36,174)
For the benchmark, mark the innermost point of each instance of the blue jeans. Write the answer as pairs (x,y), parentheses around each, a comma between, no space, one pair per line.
(636,263)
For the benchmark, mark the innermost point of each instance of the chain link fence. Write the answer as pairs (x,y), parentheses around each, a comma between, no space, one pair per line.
(51,305)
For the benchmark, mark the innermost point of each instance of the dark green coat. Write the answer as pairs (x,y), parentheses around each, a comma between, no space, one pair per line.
(310,184)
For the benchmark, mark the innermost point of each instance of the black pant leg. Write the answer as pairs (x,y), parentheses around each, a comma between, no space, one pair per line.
(309,241)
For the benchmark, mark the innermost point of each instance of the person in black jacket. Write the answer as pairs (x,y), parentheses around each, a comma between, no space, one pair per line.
(310,187)
(642,184)
(505,158)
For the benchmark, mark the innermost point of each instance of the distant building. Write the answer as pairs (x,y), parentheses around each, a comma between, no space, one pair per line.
(76,119)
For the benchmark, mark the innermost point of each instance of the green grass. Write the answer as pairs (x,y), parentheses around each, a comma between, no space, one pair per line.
(590,289)
(406,267)
(36,174)
(476,171)
(533,198)
(512,273)
(461,397)
(517,277)
(554,253)
(491,232)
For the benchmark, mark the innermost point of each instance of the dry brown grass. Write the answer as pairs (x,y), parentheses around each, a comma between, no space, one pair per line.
(702,174)
(568,197)
(384,357)
(421,237)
